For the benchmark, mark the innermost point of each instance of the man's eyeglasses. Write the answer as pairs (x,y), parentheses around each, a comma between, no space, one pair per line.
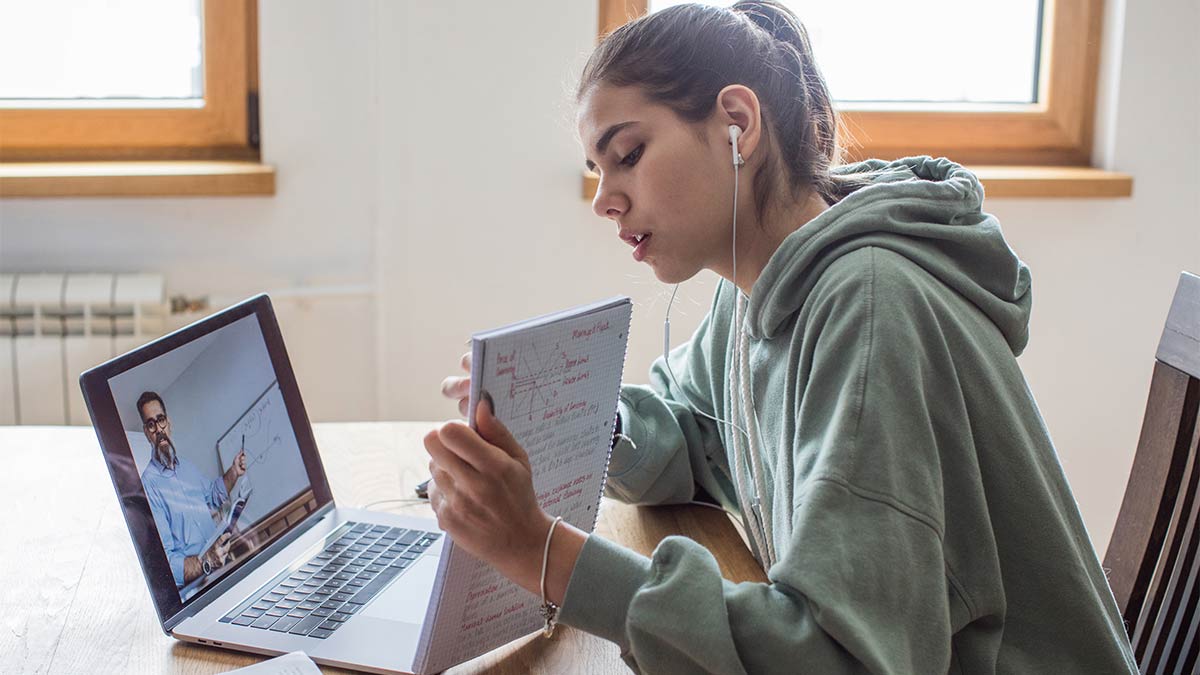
(153,423)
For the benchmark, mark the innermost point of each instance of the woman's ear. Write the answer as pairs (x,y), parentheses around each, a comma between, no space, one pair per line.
(738,105)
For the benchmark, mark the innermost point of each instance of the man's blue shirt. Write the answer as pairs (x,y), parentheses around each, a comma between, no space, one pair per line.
(182,501)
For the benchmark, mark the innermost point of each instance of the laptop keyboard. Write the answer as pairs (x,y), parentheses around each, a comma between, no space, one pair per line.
(323,593)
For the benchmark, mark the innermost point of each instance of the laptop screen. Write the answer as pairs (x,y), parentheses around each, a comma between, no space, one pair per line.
(207,432)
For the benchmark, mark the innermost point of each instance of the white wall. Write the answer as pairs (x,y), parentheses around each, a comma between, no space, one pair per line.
(482,221)
(317,88)
(1104,271)
(427,150)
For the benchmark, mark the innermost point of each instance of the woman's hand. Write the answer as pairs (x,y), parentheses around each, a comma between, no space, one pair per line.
(482,493)
(459,388)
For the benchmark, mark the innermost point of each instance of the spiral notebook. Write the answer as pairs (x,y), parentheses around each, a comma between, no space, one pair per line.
(555,381)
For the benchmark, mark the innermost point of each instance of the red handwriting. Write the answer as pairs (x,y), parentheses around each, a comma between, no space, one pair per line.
(557,411)
(599,327)
(506,364)
(482,592)
(576,378)
(563,491)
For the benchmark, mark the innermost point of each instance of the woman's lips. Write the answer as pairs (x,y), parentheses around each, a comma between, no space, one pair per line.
(639,251)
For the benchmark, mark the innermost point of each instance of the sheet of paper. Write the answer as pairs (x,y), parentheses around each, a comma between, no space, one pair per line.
(555,385)
(295,663)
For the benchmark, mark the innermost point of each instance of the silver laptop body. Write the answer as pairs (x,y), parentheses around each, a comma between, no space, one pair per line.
(381,637)
(373,572)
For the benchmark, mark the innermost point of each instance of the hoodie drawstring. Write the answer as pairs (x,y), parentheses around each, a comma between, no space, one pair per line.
(742,399)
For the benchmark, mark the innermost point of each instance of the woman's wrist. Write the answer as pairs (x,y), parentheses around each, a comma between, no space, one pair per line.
(565,546)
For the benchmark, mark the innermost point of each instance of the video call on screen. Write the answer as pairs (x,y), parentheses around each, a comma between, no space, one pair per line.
(214,448)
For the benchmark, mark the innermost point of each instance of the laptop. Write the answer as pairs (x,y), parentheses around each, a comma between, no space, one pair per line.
(241,543)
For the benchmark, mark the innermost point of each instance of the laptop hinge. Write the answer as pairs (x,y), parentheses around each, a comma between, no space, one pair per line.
(229,581)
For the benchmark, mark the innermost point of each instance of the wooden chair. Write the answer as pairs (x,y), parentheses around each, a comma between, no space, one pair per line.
(1153,564)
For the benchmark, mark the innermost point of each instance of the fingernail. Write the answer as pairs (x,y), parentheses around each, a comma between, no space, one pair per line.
(488,397)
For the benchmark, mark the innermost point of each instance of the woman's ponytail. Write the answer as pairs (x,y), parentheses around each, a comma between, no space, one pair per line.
(682,57)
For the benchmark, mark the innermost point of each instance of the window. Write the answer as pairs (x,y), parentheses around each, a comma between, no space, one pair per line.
(989,84)
(129,80)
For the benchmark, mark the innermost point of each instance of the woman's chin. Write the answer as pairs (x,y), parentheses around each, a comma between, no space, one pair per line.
(668,274)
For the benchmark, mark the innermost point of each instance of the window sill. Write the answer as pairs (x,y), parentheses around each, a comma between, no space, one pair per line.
(135,179)
(1019,181)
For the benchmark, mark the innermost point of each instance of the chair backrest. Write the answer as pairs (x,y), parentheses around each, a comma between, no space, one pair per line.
(1152,563)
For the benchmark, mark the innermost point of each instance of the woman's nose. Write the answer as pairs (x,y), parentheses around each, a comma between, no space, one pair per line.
(608,203)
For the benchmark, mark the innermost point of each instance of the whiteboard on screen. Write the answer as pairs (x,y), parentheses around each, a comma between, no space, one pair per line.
(274,469)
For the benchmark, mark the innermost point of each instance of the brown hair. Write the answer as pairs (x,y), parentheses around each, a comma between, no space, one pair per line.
(682,57)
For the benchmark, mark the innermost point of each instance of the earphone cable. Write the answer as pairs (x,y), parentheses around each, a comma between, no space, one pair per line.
(667,364)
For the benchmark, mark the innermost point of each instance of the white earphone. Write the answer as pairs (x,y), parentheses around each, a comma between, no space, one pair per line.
(734,132)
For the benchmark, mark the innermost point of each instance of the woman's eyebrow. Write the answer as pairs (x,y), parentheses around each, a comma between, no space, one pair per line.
(605,139)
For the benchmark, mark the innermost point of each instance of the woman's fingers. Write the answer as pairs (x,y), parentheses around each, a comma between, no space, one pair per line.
(437,498)
(468,446)
(494,431)
(482,491)
(445,458)
(456,387)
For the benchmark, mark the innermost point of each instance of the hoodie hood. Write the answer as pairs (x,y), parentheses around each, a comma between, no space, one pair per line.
(928,210)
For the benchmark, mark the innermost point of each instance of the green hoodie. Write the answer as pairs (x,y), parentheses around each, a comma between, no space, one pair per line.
(917,513)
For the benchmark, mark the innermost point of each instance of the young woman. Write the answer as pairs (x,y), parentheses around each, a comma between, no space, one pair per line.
(853,394)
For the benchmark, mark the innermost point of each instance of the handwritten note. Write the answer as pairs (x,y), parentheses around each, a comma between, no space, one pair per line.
(555,382)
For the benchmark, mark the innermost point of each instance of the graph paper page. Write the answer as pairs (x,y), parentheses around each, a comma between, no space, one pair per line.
(555,383)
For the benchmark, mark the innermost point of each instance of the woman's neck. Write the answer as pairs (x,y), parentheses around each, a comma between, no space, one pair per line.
(757,240)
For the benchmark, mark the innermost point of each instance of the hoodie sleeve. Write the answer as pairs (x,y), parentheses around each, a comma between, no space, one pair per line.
(674,613)
(665,445)
(861,585)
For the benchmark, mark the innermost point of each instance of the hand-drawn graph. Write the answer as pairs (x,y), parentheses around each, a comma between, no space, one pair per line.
(540,377)
(536,378)
(274,469)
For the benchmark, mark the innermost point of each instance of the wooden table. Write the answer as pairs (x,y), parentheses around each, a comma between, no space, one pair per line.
(72,595)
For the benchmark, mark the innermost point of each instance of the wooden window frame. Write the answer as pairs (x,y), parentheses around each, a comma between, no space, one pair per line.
(211,149)
(1052,138)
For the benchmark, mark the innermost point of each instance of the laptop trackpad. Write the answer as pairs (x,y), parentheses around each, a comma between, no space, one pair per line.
(408,597)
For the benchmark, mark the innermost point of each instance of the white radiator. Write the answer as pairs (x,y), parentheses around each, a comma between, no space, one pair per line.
(55,326)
